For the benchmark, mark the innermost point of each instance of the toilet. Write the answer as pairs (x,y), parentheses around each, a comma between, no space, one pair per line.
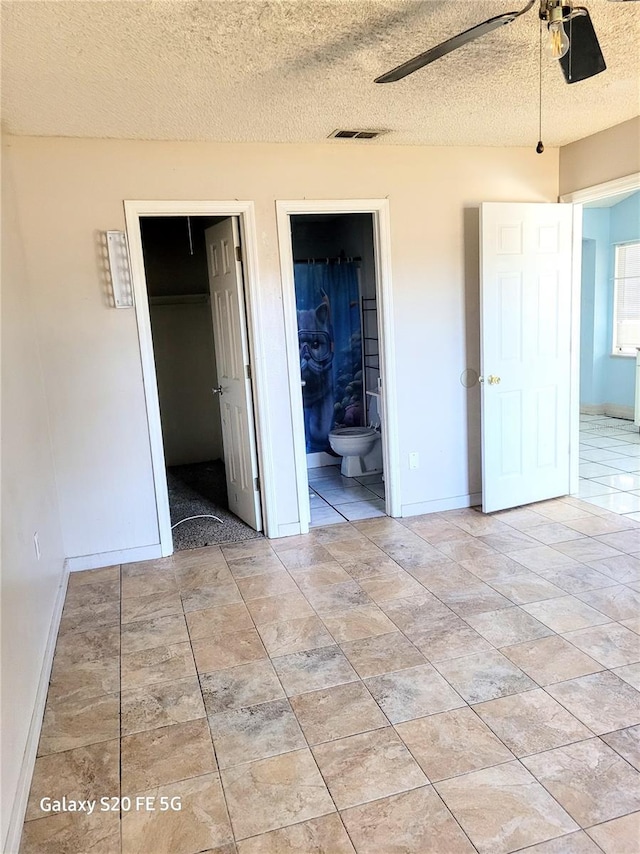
(359,447)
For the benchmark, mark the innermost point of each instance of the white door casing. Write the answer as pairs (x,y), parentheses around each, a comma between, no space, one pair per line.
(526,329)
(379,209)
(234,379)
(578,198)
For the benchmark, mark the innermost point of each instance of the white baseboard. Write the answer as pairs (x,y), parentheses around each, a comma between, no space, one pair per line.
(16,821)
(322,459)
(77,564)
(440,504)
(614,410)
(290,529)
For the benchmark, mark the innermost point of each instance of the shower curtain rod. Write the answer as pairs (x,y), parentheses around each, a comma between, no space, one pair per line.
(325,260)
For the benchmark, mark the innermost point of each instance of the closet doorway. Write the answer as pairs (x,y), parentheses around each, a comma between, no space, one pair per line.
(337,303)
(197,326)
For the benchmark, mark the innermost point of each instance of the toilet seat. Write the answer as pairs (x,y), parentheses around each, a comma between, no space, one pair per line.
(353,432)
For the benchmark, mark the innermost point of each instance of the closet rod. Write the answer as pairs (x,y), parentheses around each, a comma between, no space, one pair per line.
(337,260)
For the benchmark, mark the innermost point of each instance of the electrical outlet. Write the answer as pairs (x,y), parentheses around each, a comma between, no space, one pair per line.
(414,460)
(36,544)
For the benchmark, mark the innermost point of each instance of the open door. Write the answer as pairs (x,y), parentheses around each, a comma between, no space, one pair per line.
(234,375)
(525,312)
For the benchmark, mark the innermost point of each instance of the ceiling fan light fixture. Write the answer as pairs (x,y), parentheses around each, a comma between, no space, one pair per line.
(558,44)
(555,13)
(584,52)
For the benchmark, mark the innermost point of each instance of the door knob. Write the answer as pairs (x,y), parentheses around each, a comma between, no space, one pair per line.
(493,380)
(218,390)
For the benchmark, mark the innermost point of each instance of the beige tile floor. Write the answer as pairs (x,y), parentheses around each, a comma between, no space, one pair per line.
(437,685)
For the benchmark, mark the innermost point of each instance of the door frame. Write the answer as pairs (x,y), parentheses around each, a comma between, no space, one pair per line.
(245,212)
(379,209)
(577,198)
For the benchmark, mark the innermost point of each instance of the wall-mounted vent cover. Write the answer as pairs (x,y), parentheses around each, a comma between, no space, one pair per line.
(356,134)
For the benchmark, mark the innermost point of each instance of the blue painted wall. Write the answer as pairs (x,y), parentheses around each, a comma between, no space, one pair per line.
(604,378)
(625,219)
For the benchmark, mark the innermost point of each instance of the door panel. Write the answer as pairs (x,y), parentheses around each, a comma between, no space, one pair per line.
(525,352)
(232,360)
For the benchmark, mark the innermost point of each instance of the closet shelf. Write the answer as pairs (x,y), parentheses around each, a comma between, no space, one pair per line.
(179,299)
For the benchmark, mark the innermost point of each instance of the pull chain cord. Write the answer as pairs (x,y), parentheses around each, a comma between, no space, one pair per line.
(540,146)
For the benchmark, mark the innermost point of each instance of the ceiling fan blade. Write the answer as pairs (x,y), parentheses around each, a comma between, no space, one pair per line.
(442,49)
(584,58)
(450,44)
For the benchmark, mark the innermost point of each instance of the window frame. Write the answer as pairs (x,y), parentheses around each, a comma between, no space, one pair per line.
(617,350)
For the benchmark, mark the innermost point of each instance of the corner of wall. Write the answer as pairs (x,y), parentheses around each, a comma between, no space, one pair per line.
(604,156)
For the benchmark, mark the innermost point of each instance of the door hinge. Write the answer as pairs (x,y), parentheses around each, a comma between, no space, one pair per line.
(238,253)
(247,369)
(256,484)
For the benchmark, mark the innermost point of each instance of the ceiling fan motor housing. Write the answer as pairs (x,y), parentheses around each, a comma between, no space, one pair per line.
(553,11)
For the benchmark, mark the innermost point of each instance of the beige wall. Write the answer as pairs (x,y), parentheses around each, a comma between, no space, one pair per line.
(71,189)
(612,153)
(29,504)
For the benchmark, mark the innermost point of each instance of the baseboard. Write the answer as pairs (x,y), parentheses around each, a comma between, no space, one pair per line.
(614,410)
(440,504)
(290,529)
(592,409)
(16,821)
(322,459)
(77,564)
(618,411)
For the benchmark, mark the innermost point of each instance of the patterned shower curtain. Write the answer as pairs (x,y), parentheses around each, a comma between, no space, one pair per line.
(330,339)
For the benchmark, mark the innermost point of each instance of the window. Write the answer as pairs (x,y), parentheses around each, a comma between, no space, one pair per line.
(626,299)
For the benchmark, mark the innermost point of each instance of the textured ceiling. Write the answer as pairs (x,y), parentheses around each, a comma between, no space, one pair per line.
(294,70)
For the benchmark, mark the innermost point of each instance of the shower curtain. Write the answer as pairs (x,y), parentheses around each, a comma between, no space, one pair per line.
(330,340)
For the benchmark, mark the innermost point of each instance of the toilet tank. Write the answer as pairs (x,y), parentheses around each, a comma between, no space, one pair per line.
(374,410)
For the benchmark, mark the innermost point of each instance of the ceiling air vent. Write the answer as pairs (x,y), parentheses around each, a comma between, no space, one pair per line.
(356,134)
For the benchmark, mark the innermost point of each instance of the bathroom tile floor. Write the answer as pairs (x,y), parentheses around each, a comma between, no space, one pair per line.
(610,464)
(334,498)
(443,684)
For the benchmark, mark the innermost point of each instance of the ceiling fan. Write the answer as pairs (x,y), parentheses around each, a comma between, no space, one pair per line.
(578,51)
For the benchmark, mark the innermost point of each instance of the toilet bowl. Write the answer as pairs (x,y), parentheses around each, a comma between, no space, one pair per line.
(356,446)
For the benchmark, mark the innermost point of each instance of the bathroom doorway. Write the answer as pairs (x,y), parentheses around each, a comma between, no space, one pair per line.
(336,306)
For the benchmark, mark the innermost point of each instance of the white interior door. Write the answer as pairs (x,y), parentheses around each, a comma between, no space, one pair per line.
(525,310)
(234,382)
